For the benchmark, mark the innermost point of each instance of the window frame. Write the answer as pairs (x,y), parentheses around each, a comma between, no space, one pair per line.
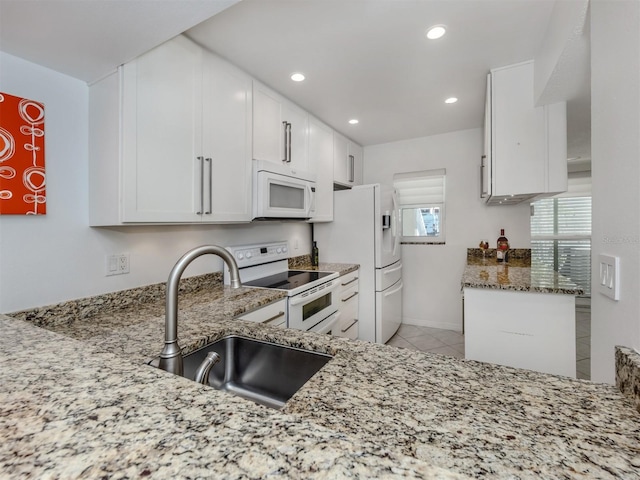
(440,238)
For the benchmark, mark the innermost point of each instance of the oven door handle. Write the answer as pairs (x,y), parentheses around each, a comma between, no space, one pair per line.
(331,322)
(297,300)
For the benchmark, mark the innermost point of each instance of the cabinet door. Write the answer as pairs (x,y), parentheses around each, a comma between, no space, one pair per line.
(321,163)
(485,162)
(518,137)
(226,143)
(356,152)
(298,136)
(340,159)
(268,133)
(162,112)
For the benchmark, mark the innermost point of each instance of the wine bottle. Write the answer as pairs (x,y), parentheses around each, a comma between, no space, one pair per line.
(502,249)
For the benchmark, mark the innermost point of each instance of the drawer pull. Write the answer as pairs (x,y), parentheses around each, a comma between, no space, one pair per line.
(350,297)
(277,315)
(350,281)
(344,330)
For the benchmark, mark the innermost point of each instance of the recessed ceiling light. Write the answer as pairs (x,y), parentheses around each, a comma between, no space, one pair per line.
(297,77)
(451,100)
(353,121)
(436,31)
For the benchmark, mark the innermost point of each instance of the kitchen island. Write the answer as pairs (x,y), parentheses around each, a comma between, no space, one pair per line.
(79,401)
(519,314)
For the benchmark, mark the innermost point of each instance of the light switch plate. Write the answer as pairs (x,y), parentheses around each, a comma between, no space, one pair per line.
(609,276)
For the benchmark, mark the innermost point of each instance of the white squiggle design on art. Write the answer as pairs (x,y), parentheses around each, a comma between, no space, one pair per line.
(1,98)
(5,194)
(7,172)
(29,177)
(7,145)
(23,108)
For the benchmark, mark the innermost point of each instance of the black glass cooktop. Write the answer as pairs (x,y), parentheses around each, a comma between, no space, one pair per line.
(286,280)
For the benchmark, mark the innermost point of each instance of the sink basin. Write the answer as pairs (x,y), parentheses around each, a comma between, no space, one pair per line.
(267,373)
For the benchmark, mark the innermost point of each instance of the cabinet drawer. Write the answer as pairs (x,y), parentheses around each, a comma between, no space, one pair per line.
(348,296)
(348,280)
(348,324)
(274,314)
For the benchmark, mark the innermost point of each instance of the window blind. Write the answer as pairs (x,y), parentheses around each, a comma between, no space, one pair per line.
(561,232)
(420,188)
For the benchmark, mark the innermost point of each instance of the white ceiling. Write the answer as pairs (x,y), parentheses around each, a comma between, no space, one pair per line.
(88,39)
(365,59)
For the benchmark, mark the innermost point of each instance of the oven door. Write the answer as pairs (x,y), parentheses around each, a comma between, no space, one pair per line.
(309,308)
(281,196)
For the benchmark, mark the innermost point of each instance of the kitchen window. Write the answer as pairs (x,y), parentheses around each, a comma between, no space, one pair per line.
(421,200)
(561,231)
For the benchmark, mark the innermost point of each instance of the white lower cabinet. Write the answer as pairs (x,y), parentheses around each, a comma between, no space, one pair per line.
(348,306)
(274,314)
(170,140)
(531,330)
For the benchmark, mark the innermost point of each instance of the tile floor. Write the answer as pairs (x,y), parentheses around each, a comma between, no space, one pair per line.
(448,342)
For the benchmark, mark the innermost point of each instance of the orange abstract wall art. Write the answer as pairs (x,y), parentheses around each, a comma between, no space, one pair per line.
(22,175)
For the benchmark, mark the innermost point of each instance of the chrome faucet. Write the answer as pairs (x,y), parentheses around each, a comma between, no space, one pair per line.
(171,356)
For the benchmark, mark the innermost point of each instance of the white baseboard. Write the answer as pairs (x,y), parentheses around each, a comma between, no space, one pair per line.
(421,322)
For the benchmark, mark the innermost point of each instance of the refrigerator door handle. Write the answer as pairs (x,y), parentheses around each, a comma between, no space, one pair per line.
(394,223)
(387,272)
(394,291)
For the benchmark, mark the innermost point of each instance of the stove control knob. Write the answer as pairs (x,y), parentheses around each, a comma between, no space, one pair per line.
(240,255)
(278,250)
(284,249)
(248,254)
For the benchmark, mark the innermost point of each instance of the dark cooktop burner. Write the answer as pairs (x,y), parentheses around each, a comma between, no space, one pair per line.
(287,280)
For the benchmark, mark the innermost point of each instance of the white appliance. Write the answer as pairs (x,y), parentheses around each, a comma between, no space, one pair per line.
(311,295)
(282,192)
(365,230)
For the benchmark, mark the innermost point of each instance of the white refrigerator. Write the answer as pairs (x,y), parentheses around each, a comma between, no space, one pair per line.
(365,230)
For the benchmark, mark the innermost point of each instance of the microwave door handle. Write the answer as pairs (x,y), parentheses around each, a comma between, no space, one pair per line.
(312,200)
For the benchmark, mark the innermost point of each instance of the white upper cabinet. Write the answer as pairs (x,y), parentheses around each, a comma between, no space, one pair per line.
(185,129)
(321,163)
(347,161)
(525,152)
(280,129)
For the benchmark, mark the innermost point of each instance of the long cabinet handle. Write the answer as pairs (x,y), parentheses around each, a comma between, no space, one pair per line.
(277,315)
(344,330)
(289,142)
(210,163)
(284,129)
(350,281)
(350,297)
(483,193)
(352,168)
(201,161)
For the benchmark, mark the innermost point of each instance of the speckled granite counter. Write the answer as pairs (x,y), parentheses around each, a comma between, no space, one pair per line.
(518,275)
(87,407)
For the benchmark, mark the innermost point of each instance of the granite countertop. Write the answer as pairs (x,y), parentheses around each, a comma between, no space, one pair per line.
(518,275)
(78,401)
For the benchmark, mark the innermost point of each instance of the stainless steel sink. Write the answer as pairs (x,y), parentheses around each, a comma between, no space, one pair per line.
(267,373)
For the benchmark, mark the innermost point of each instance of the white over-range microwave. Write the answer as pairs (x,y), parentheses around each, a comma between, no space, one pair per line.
(282,192)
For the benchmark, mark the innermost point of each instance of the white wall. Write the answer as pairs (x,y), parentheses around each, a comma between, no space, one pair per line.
(57,257)
(615,147)
(432,273)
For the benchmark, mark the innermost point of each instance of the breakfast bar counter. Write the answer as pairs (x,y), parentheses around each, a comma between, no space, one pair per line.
(79,401)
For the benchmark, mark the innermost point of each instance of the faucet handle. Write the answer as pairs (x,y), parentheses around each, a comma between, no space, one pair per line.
(202,373)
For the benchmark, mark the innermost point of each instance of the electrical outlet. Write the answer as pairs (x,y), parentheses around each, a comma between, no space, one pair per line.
(117,264)
(609,276)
